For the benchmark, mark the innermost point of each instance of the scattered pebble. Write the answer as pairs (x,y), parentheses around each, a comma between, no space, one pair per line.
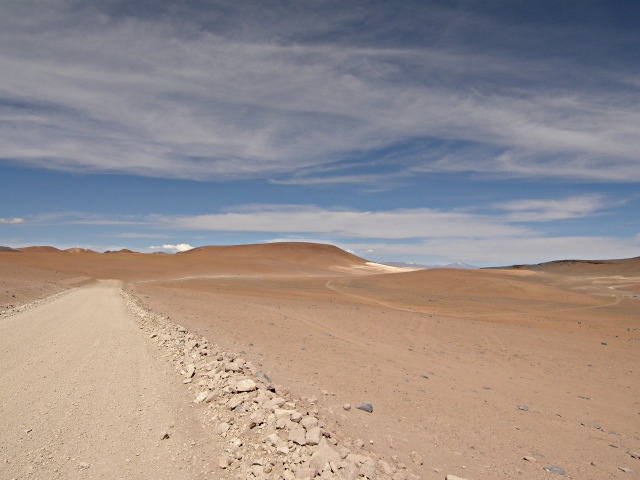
(346,406)
(366,407)
(531,459)
(552,469)
(524,408)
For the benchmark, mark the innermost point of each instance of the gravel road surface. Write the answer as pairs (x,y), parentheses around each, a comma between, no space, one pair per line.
(83,396)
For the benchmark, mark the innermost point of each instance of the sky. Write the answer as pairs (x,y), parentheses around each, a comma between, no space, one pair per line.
(487,132)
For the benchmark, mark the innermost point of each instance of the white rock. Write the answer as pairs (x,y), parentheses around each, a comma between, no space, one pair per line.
(202,396)
(235,403)
(246,385)
(223,428)
(298,435)
(309,422)
(273,439)
(256,419)
(313,436)
(323,454)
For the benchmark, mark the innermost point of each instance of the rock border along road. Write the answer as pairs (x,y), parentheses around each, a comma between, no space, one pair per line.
(83,394)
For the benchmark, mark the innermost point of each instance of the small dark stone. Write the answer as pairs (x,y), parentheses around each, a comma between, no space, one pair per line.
(603,343)
(366,407)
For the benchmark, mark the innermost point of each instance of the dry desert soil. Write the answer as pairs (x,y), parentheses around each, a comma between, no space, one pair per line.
(238,362)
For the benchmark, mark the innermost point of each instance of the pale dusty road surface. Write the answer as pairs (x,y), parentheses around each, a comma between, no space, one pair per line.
(82,396)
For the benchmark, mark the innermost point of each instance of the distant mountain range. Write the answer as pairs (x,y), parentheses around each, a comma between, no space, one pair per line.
(460,265)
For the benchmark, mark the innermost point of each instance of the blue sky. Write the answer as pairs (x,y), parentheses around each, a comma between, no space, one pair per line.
(487,132)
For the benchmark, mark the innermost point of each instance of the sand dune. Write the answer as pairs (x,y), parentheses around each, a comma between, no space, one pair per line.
(447,357)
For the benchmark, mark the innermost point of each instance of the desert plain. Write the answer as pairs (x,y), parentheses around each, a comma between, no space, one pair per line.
(525,371)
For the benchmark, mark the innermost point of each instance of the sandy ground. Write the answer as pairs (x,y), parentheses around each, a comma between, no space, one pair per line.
(81,396)
(473,370)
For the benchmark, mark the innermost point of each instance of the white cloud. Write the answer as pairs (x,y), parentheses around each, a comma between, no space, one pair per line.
(342,223)
(138,95)
(11,221)
(181,247)
(543,210)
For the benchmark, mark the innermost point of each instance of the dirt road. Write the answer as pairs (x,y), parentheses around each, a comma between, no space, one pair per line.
(82,396)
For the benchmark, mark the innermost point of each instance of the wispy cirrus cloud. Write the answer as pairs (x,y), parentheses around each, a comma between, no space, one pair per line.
(343,223)
(209,91)
(545,210)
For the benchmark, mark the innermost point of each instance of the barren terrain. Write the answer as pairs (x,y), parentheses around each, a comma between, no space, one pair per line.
(468,372)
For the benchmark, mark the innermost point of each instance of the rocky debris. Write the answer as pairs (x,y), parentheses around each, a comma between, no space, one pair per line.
(625,469)
(524,408)
(453,477)
(635,455)
(267,433)
(552,469)
(12,309)
(531,459)
(83,465)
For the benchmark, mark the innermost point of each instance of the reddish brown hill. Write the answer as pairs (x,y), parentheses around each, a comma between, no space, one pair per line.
(280,259)
(294,255)
(39,249)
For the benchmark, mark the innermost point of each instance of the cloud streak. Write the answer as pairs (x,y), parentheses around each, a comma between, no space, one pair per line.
(343,223)
(11,221)
(165,95)
(545,210)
